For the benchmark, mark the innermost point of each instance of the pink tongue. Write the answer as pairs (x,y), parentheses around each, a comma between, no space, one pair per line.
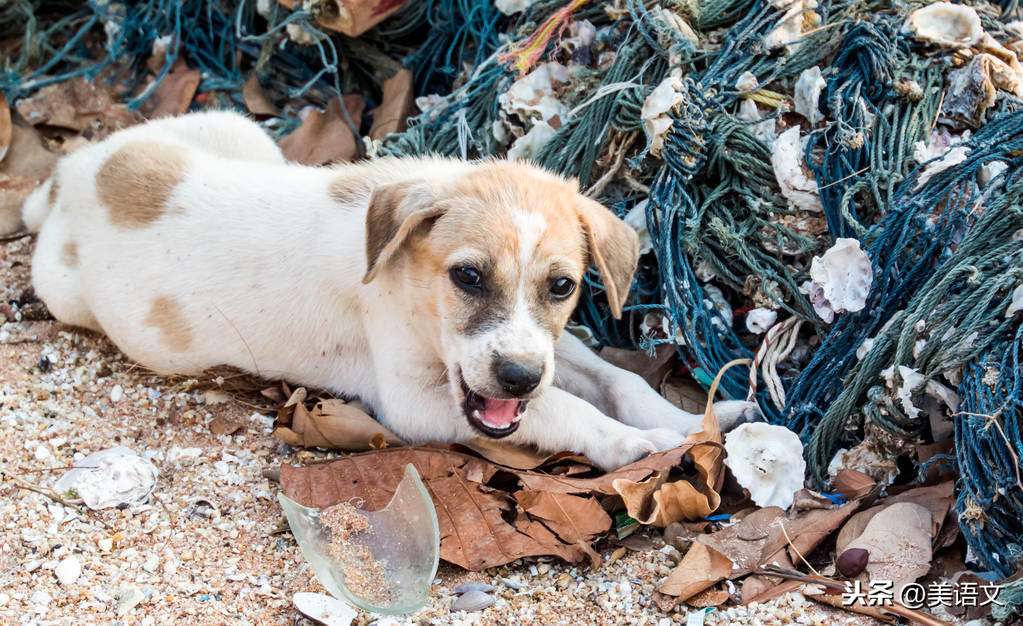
(499,412)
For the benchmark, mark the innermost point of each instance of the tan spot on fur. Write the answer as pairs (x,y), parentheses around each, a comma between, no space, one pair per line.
(137,181)
(54,191)
(165,315)
(69,254)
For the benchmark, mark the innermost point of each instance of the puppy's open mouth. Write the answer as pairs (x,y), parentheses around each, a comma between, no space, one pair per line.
(494,417)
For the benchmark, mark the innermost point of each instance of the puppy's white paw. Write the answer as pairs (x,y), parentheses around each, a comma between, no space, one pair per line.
(634,446)
(664,438)
(732,413)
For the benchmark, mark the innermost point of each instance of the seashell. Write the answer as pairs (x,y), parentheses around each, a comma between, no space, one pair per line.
(511,584)
(808,92)
(533,96)
(797,185)
(909,380)
(109,477)
(840,280)
(511,7)
(1017,302)
(760,319)
(656,112)
(767,460)
(799,18)
(946,24)
(324,609)
(636,218)
(472,601)
(973,88)
(529,145)
(747,81)
(474,586)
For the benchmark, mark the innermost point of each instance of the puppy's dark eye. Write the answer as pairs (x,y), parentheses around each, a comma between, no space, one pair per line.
(467,278)
(562,287)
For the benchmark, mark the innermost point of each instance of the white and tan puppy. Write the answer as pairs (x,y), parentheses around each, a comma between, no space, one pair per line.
(435,290)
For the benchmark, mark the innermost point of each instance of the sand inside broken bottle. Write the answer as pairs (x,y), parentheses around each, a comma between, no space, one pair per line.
(364,576)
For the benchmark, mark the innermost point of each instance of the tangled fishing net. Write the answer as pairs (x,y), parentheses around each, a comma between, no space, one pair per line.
(833,189)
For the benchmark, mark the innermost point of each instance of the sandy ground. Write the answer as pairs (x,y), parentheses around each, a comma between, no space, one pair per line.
(212,546)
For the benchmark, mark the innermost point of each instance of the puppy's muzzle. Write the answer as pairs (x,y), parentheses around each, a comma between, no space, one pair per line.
(518,377)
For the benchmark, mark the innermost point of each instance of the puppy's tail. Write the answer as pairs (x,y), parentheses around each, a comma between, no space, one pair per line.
(37,206)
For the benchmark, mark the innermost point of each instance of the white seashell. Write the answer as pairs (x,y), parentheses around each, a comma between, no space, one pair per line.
(946,24)
(990,171)
(472,601)
(937,144)
(747,81)
(799,17)
(844,276)
(864,348)
(299,35)
(109,477)
(473,586)
(1017,302)
(763,129)
(760,319)
(798,187)
(767,461)
(953,157)
(636,218)
(68,571)
(808,93)
(533,97)
(325,609)
(656,112)
(511,7)
(529,145)
(911,381)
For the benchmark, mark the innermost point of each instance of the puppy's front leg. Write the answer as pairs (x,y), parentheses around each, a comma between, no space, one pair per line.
(558,420)
(627,397)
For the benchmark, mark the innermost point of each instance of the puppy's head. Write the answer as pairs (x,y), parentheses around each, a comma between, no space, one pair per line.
(487,264)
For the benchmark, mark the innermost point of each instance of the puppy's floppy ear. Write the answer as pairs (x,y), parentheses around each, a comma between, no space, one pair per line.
(614,247)
(396,210)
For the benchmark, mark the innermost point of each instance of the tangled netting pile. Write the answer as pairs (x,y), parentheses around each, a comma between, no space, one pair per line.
(831,188)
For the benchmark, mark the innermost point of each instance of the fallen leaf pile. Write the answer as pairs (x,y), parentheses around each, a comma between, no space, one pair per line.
(497,503)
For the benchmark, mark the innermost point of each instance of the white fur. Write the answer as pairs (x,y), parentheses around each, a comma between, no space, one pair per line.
(267,270)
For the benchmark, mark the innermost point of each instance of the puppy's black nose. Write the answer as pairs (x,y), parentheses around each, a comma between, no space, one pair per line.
(518,377)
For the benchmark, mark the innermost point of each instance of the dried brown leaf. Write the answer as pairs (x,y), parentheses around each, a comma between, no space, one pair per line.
(710,597)
(804,532)
(852,484)
(652,369)
(27,164)
(256,100)
(504,453)
(77,104)
(572,518)
(898,540)
(700,568)
(744,542)
(5,127)
(175,92)
(325,137)
(222,426)
(397,104)
(474,533)
(332,424)
(352,17)
(938,499)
